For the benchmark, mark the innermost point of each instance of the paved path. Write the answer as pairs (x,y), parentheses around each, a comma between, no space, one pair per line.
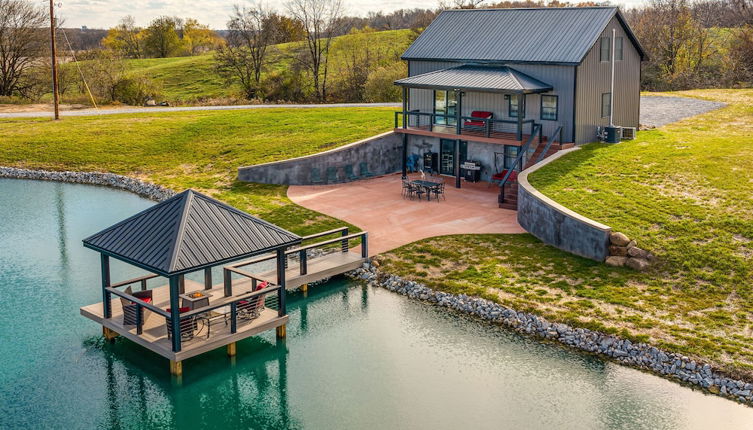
(93,112)
(662,110)
(375,205)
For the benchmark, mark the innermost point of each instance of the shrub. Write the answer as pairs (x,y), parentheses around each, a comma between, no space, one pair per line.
(380,86)
(134,90)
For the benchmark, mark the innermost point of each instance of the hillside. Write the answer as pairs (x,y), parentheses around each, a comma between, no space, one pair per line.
(194,79)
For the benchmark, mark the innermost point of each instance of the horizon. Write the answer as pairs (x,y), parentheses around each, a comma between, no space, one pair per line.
(104,14)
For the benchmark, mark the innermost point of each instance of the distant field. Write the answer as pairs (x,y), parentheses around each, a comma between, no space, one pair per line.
(200,150)
(191,79)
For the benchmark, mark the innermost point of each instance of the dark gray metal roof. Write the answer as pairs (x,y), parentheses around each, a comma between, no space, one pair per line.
(538,35)
(480,78)
(188,232)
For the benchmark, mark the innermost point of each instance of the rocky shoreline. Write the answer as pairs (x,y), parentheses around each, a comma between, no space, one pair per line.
(638,355)
(136,186)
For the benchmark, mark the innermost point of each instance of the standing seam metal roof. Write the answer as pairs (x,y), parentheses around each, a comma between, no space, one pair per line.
(479,78)
(536,35)
(188,232)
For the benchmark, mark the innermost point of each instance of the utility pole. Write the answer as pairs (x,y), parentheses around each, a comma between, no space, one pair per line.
(55,94)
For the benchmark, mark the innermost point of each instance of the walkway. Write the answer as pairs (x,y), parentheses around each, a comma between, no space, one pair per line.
(114,111)
(375,205)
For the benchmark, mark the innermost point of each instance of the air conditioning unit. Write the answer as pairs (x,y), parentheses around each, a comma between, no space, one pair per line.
(628,133)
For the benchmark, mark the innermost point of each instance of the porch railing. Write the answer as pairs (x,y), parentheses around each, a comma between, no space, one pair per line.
(468,125)
(519,161)
(556,135)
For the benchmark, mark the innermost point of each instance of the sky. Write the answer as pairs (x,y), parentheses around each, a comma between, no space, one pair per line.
(106,13)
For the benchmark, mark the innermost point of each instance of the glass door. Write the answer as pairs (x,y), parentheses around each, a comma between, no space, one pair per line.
(445,103)
(447,156)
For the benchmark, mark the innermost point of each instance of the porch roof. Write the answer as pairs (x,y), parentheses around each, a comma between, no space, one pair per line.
(189,232)
(502,79)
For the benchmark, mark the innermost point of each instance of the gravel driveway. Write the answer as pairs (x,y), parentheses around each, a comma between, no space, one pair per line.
(661,110)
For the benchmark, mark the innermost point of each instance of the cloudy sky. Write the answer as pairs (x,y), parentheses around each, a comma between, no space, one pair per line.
(106,13)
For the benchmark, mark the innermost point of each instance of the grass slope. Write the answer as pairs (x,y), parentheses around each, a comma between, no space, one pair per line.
(199,150)
(684,191)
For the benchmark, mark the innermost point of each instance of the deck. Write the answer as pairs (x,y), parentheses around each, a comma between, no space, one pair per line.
(317,269)
(444,132)
(154,334)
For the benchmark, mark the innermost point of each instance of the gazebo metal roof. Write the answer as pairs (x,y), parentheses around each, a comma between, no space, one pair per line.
(189,232)
(477,78)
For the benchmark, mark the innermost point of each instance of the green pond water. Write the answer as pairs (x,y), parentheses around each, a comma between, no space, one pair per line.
(355,357)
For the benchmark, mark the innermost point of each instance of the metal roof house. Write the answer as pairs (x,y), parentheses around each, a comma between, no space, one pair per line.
(482,83)
(190,234)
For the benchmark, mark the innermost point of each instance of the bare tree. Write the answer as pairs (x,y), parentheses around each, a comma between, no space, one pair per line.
(250,32)
(320,19)
(21,43)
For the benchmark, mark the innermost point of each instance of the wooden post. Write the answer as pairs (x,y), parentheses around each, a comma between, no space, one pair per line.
(182,283)
(281,332)
(521,112)
(228,281)
(305,288)
(176,368)
(175,314)
(231,351)
(106,296)
(208,278)
(109,334)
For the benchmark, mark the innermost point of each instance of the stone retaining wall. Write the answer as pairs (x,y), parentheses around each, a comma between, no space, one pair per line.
(639,355)
(141,188)
(557,225)
(382,152)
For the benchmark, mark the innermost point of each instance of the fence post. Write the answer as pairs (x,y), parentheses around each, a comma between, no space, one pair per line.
(344,243)
(365,245)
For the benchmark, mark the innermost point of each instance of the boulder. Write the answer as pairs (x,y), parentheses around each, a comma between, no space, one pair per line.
(619,251)
(638,264)
(631,244)
(619,239)
(150,102)
(637,252)
(616,261)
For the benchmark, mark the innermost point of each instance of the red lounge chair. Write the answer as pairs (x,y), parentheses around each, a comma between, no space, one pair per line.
(187,325)
(251,309)
(478,114)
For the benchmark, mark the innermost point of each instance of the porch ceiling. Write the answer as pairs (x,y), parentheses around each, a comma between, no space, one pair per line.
(468,77)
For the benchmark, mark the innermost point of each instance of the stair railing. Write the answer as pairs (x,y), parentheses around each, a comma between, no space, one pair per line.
(518,161)
(556,135)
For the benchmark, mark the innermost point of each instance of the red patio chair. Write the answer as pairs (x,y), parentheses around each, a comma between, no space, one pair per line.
(481,114)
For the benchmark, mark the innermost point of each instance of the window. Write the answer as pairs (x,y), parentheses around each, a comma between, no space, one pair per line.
(511,153)
(512,106)
(605,48)
(445,103)
(618,48)
(549,107)
(606,104)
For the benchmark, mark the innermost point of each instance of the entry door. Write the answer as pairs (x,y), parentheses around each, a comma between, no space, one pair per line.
(447,156)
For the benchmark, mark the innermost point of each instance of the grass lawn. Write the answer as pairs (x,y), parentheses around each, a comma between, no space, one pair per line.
(684,191)
(199,150)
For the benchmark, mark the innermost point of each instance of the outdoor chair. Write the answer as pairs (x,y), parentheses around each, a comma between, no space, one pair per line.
(316,176)
(349,175)
(251,309)
(363,170)
(418,190)
(407,189)
(438,191)
(331,175)
(129,307)
(187,325)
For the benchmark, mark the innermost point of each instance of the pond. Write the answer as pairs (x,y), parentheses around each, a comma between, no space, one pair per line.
(355,357)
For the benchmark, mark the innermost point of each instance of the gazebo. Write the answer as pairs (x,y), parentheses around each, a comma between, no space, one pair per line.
(185,234)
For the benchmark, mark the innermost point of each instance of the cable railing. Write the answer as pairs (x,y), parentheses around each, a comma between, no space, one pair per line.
(556,135)
(471,125)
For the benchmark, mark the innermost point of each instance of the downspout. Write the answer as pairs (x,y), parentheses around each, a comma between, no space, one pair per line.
(611,88)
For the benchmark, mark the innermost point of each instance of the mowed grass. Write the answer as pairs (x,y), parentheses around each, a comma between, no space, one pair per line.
(200,150)
(684,191)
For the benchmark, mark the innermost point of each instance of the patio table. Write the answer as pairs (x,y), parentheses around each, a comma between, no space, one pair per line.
(429,185)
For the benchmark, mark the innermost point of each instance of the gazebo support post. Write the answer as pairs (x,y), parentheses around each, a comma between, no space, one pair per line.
(106,296)
(208,278)
(176,368)
(228,282)
(182,284)
(282,308)
(231,350)
(175,312)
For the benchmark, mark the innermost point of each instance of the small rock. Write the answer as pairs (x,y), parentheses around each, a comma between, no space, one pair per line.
(638,264)
(619,251)
(616,261)
(619,239)
(637,252)
(631,244)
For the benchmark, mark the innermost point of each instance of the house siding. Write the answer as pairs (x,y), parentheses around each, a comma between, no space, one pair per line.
(560,77)
(593,79)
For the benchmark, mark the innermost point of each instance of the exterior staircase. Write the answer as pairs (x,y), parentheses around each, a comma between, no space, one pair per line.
(510,200)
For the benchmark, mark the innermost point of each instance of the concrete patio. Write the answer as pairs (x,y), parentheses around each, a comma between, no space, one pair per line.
(376,205)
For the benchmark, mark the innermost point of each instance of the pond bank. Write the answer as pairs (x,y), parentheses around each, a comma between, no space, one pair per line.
(638,355)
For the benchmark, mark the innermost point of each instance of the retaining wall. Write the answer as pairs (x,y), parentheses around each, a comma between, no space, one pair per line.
(382,152)
(557,225)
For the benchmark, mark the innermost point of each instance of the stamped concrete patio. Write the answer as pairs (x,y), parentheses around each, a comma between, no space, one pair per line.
(376,205)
